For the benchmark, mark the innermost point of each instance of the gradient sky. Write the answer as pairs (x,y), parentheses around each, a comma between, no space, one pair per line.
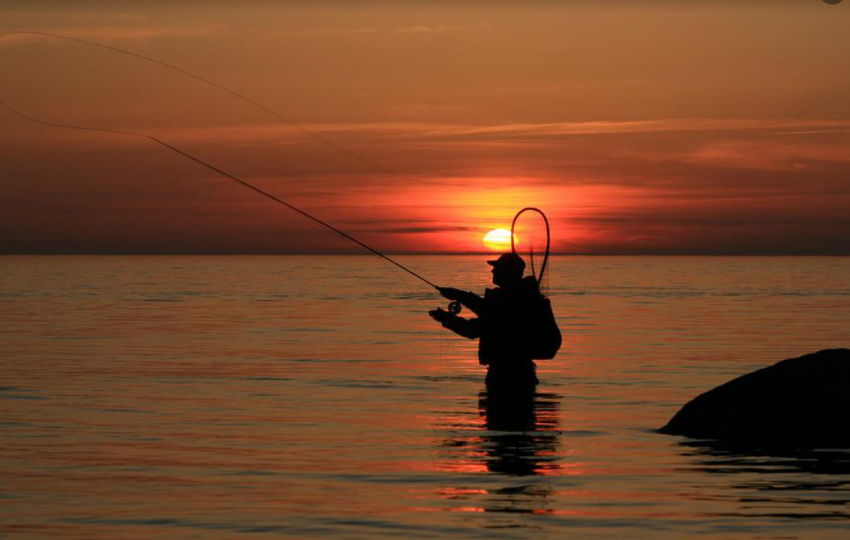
(674,127)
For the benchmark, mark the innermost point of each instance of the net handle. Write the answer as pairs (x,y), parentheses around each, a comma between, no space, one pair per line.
(513,236)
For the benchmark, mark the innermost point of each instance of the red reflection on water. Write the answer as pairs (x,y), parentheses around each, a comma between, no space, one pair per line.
(517,436)
(453,493)
(454,509)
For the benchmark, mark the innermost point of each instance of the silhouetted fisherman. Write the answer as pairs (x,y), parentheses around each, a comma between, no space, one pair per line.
(503,324)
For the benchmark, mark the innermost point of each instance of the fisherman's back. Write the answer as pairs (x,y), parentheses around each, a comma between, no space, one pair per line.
(506,334)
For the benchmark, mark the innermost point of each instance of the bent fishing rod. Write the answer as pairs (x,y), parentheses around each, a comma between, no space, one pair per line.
(222,173)
(226,90)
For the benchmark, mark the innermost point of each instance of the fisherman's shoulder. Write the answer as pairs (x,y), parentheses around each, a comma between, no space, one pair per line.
(530,286)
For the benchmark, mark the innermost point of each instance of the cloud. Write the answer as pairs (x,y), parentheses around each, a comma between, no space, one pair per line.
(601,193)
(138,33)
(426,229)
(441,28)
(530,131)
(114,32)
(359,30)
(638,126)
(410,29)
(768,155)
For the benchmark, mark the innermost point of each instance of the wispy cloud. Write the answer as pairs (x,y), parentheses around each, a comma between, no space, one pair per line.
(114,32)
(342,31)
(437,130)
(637,126)
(410,29)
(442,28)
(767,155)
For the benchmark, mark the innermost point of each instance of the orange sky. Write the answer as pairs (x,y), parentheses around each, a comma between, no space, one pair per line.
(711,128)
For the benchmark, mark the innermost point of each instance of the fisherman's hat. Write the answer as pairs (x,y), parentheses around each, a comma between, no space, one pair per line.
(509,261)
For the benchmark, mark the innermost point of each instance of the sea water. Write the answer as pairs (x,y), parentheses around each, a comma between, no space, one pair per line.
(312,397)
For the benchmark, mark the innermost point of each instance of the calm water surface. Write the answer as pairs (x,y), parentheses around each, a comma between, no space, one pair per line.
(312,397)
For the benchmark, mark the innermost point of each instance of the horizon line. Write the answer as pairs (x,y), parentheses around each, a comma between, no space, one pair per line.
(417,254)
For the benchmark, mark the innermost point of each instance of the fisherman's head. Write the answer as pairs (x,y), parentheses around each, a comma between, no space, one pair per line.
(507,269)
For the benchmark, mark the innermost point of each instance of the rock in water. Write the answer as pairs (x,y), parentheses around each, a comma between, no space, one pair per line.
(802,402)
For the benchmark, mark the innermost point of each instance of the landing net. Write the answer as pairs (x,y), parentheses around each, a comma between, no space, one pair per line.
(530,240)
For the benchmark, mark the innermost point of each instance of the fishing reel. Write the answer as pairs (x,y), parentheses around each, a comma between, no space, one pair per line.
(454,307)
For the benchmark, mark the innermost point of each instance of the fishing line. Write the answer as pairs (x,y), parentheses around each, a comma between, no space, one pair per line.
(222,173)
(230,92)
(229,176)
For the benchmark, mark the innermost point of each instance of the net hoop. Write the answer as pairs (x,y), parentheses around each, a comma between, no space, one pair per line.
(539,278)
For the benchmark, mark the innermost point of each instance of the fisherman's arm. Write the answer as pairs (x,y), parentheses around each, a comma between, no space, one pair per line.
(470,300)
(468,328)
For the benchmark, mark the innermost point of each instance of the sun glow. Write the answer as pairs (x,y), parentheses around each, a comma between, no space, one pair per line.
(498,240)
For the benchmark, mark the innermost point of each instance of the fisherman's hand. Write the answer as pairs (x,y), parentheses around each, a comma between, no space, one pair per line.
(450,293)
(439,314)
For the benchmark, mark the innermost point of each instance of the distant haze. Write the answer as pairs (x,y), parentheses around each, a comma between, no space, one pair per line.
(658,128)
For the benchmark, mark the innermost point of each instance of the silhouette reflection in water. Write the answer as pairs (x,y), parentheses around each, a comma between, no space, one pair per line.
(778,483)
(513,436)
(520,432)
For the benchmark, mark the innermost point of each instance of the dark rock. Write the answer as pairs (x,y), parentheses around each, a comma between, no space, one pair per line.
(802,403)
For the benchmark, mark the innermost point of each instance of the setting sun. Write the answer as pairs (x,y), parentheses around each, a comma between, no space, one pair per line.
(498,240)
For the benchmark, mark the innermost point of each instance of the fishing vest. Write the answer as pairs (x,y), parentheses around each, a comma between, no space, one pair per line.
(517,324)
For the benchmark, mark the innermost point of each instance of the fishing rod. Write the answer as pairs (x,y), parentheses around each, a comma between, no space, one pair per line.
(222,173)
(226,90)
